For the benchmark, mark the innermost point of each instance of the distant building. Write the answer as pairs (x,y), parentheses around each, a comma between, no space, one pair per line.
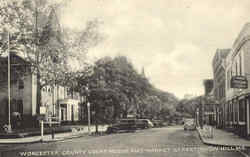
(208,86)
(219,72)
(208,103)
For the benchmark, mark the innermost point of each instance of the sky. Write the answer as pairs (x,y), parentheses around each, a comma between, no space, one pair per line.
(174,40)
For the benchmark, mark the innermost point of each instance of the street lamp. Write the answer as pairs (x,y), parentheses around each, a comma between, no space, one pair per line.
(88,106)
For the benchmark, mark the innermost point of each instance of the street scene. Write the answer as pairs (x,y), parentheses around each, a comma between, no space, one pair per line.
(173,141)
(124,78)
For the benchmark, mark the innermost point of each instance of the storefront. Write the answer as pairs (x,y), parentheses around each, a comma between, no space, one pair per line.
(238,115)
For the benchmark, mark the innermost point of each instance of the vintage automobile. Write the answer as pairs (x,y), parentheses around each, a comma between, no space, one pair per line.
(158,123)
(144,124)
(189,124)
(123,125)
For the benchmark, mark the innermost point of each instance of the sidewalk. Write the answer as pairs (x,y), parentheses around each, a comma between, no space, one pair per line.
(218,137)
(57,137)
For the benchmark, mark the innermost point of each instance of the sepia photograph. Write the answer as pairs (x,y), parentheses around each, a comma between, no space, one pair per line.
(124,78)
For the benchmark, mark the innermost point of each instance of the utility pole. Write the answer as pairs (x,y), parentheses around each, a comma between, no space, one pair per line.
(9,122)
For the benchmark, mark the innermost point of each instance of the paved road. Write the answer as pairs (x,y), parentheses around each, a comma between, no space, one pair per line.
(157,142)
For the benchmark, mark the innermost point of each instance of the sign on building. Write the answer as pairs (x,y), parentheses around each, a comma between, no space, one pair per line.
(42,110)
(41,116)
(239,82)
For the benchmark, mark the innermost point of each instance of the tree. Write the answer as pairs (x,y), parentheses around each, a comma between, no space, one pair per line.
(188,106)
(36,31)
(114,82)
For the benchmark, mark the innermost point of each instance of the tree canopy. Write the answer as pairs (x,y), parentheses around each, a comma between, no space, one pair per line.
(117,86)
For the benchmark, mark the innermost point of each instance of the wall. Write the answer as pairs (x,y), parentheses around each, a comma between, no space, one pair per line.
(33,91)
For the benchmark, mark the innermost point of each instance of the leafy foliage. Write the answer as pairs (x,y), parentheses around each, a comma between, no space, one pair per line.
(187,107)
(117,89)
(36,35)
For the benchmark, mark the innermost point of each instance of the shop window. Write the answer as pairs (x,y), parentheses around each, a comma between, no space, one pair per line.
(242,109)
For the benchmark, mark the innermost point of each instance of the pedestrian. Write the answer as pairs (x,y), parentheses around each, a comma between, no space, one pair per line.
(53,133)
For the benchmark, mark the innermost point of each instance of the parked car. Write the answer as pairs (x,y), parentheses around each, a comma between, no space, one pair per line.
(123,125)
(189,124)
(158,123)
(144,123)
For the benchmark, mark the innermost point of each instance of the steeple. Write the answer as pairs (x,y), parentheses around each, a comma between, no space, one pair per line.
(143,72)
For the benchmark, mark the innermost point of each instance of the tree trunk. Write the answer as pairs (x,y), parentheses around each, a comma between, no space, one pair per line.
(96,127)
(117,111)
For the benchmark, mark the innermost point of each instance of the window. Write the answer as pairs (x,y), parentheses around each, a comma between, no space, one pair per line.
(240,63)
(242,109)
(21,84)
(228,79)
(68,92)
(236,68)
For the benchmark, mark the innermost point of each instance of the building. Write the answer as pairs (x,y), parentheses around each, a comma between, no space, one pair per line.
(60,101)
(22,91)
(219,73)
(63,103)
(208,104)
(237,64)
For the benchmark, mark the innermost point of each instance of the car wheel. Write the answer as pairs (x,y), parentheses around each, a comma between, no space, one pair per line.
(109,131)
(114,130)
(132,130)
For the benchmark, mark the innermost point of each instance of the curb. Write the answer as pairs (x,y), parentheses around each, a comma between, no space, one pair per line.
(28,142)
(50,140)
(220,145)
(44,141)
(63,139)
